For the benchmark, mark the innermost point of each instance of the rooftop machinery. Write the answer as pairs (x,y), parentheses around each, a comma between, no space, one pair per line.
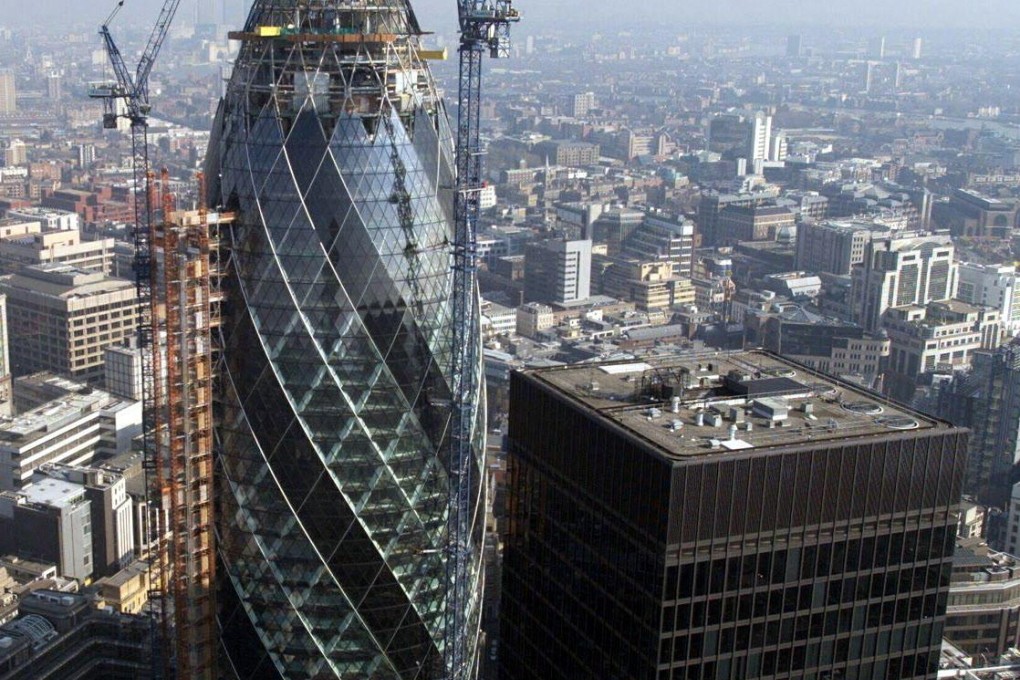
(484,26)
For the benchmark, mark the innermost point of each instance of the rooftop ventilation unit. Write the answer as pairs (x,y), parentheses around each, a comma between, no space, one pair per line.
(863,408)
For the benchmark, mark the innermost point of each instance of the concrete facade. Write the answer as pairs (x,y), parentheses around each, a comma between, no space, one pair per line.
(995,286)
(61,421)
(904,270)
(557,271)
(66,318)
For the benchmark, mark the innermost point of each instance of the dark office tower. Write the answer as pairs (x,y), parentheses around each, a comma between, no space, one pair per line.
(793,46)
(335,152)
(733,517)
(986,399)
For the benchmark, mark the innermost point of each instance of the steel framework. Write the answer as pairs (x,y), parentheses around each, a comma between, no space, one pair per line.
(183,272)
(484,25)
(128,98)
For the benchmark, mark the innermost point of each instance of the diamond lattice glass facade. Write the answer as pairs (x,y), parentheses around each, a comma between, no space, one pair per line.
(335,152)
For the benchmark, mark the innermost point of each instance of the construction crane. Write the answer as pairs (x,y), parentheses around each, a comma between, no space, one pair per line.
(484,26)
(128,99)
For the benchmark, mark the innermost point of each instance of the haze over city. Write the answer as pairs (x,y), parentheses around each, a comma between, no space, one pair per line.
(527,340)
(998,15)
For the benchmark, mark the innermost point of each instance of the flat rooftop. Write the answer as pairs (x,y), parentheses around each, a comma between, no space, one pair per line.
(715,404)
(64,281)
(57,493)
(38,210)
(66,402)
(124,576)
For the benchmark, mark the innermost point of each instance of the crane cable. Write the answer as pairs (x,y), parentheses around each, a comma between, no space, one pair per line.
(113,14)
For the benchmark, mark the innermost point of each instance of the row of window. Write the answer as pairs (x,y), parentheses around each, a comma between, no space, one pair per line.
(813,561)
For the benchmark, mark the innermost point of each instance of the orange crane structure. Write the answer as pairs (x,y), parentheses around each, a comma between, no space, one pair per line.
(174,258)
(176,265)
(184,253)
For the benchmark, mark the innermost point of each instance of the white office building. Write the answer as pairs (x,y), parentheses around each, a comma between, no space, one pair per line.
(61,421)
(50,219)
(898,271)
(995,286)
(761,137)
(557,271)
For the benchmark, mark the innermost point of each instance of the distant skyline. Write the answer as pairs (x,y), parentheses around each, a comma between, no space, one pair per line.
(900,14)
(606,15)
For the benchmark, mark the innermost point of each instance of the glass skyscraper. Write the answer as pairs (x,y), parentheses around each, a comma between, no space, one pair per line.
(335,152)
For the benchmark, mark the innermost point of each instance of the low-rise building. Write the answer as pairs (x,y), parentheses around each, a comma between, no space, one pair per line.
(12,226)
(614,226)
(61,635)
(122,372)
(497,319)
(793,285)
(113,526)
(995,286)
(649,285)
(941,335)
(48,218)
(126,591)
(713,294)
(56,246)
(25,571)
(663,239)
(983,614)
(713,204)
(753,223)
(533,318)
(971,213)
(96,205)
(61,421)
(568,153)
(749,301)
(828,345)
(834,246)
(49,520)
(972,520)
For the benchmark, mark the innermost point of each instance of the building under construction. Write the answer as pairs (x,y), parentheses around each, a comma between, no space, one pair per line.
(186,313)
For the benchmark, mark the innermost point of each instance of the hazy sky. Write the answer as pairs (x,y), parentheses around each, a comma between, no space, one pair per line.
(906,13)
(1001,14)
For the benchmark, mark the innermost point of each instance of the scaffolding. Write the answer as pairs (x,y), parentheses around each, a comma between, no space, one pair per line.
(186,287)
